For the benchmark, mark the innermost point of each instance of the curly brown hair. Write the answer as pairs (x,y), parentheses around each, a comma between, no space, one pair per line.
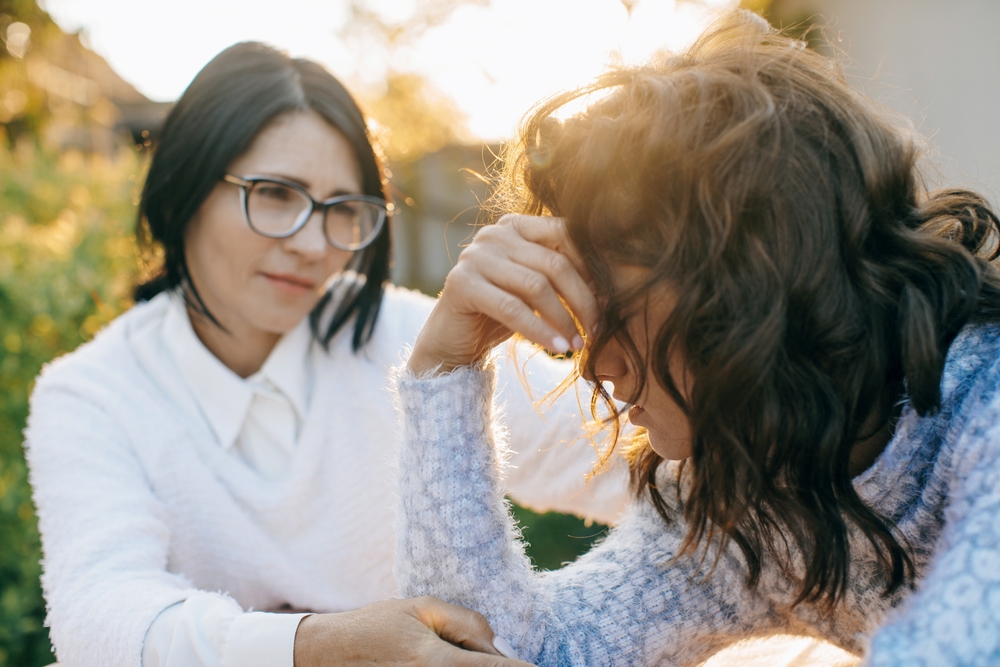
(818,282)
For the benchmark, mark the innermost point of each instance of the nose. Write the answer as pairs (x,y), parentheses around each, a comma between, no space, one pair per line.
(609,364)
(309,242)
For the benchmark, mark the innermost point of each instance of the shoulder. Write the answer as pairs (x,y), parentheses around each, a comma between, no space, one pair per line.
(108,360)
(970,384)
(969,418)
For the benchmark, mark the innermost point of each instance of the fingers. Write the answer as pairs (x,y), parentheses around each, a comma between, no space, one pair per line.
(455,624)
(531,260)
(518,314)
(549,232)
(548,281)
(464,628)
(451,656)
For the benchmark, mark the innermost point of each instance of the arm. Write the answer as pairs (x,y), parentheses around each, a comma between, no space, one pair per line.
(104,542)
(624,603)
(207,630)
(953,618)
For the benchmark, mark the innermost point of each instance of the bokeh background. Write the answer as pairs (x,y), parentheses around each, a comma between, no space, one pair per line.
(84,85)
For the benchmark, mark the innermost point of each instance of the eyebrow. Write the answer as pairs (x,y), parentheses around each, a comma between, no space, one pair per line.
(305,184)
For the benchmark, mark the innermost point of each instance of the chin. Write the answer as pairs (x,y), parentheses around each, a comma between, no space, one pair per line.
(282,320)
(670,449)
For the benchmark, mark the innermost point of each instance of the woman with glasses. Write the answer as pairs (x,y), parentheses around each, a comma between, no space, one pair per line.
(222,452)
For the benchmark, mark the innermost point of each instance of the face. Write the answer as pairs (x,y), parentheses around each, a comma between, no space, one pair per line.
(257,285)
(655,410)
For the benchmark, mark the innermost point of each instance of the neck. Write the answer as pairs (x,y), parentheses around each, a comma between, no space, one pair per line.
(242,349)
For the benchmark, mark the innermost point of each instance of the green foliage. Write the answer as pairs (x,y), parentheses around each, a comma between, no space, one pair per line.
(67,262)
(556,539)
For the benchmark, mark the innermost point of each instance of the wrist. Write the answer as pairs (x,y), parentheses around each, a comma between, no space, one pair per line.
(427,360)
(309,641)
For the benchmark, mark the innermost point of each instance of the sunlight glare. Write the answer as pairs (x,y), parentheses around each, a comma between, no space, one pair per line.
(495,61)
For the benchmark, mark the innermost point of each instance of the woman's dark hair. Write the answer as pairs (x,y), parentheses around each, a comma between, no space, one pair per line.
(216,119)
(817,281)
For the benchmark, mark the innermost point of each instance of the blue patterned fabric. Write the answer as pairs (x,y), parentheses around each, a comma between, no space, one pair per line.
(625,603)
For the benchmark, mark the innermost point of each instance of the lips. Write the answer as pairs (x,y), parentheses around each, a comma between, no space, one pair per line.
(289,282)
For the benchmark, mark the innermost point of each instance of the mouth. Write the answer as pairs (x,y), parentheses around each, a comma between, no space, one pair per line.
(289,282)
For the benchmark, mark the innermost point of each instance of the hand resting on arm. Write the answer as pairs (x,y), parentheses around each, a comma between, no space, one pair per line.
(420,631)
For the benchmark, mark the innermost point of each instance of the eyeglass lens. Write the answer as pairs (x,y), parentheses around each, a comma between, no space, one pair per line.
(274,209)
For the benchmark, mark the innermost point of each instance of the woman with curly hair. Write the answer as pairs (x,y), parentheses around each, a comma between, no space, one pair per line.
(807,336)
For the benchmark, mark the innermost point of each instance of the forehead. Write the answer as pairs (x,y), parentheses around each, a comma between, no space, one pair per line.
(625,277)
(304,147)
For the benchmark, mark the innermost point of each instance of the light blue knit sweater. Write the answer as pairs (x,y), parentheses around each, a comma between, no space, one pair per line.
(622,604)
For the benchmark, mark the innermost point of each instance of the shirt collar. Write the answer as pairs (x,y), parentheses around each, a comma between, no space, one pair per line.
(223,396)
(285,367)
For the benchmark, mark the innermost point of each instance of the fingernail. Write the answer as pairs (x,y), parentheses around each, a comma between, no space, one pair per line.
(577,342)
(560,344)
(506,650)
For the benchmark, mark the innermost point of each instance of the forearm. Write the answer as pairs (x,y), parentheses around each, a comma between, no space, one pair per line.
(456,540)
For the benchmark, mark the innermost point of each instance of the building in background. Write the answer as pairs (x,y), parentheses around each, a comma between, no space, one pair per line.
(438,197)
(55,90)
(935,62)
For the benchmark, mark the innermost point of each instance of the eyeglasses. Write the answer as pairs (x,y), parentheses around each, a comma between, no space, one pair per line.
(277,208)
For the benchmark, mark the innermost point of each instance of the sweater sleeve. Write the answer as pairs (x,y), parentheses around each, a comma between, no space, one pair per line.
(207,630)
(552,455)
(953,618)
(627,602)
(104,542)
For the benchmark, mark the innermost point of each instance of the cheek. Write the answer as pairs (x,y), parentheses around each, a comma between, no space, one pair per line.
(669,431)
(221,250)
(336,260)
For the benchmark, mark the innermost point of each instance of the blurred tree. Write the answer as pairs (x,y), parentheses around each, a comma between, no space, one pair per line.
(22,104)
(65,267)
(412,118)
(67,260)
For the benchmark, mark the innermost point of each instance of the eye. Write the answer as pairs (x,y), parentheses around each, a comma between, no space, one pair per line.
(274,192)
(345,208)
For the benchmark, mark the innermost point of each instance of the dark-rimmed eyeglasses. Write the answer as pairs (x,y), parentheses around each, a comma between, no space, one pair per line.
(277,209)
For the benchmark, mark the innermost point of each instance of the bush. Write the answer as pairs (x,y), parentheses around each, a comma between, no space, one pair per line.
(67,262)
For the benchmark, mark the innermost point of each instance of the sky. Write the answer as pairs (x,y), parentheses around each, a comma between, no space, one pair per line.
(495,62)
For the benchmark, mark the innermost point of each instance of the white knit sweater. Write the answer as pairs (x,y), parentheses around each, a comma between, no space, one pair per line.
(139,507)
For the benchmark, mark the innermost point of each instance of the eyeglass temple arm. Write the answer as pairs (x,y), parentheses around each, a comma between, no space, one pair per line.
(236,180)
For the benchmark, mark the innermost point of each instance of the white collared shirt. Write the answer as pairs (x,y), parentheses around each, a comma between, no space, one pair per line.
(260,416)
(166,518)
